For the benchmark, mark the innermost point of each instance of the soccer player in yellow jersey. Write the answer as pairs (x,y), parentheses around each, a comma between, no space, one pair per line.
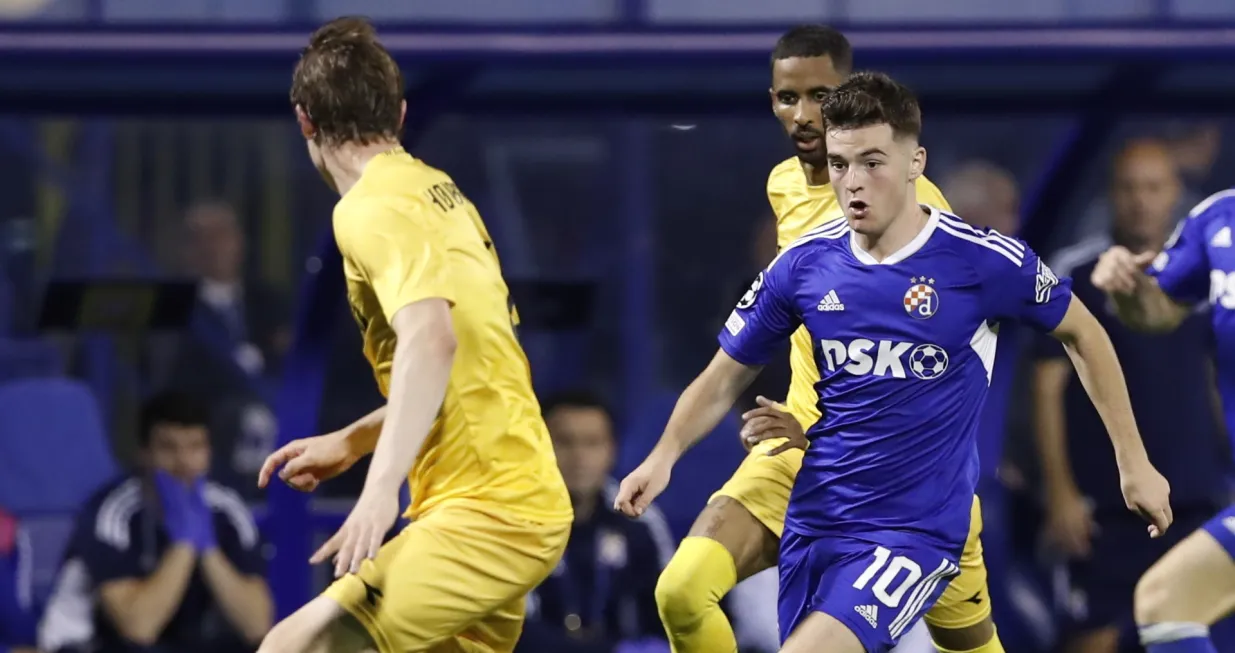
(491,514)
(738,533)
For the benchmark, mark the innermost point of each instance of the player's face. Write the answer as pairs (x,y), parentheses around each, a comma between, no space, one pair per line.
(872,172)
(180,450)
(799,87)
(1144,192)
(583,442)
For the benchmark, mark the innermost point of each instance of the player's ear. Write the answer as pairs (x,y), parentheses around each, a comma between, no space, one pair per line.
(402,111)
(306,126)
(917,164)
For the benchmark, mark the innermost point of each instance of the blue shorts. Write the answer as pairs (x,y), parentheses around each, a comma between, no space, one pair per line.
(1222,528)
(878,592)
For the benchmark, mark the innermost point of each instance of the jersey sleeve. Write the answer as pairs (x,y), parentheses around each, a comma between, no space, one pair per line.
(398,254)
(764,318)
(1182,269)
(928,193)
(105,542)
(1020,286)
(239,539)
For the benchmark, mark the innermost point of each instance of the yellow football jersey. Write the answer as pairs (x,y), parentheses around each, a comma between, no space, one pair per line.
(800,207)
(407,233)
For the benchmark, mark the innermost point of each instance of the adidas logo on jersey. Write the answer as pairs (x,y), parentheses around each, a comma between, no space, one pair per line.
(1222,238)
(831,302)
(870,613)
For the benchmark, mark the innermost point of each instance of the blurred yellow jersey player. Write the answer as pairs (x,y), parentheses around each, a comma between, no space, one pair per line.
(491,514)
(738,533)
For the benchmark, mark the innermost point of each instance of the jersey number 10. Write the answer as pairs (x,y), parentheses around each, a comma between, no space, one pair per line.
(891,575)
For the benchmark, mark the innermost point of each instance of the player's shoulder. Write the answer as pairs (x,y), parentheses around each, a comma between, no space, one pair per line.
(1082,255)
(928,193)
(980,245)
(1219,206)
(786,177)
(110,512)
(823,239)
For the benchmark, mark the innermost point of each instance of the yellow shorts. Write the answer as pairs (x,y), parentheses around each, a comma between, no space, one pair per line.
(762,484)
(453,580)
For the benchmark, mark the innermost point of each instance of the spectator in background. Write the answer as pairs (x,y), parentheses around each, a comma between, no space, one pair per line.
(17,621)
(1170,383)
(601,597)
(162,559)
(235,350)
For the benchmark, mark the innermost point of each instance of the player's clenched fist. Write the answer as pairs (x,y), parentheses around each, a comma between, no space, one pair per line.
(771,420)
(641,487)
(1147,493)
(1118,269)
(307,462)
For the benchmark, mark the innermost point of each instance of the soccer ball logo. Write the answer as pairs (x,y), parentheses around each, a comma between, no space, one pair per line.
(928,361)
(921,300)
(748,299)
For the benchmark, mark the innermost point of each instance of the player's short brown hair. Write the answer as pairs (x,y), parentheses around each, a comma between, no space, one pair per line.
(348,84)
(867,99)
(815,41)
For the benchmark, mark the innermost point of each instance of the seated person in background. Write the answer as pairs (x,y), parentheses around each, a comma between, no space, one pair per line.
(17,622)
(601,597)
(162,559)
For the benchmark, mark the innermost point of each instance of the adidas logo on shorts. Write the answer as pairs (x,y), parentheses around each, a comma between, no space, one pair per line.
(870,613)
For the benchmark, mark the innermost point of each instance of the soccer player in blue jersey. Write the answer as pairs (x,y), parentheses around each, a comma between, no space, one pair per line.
(900,300)
(1193,585)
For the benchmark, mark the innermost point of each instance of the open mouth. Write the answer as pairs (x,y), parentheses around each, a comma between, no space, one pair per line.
(806,141)
(858,208)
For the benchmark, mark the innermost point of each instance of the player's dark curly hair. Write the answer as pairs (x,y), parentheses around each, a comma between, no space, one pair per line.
(170,407)
(867,99)
(349,85)
(815,41)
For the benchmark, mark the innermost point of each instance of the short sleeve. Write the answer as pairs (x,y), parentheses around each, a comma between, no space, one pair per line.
(1182,269)
(239,538)
(403,259)
(105,542)
(764,318)
(1020,286)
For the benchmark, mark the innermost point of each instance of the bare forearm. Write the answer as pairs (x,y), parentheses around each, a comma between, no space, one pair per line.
(245,600)
(141,611)
(1099,370)
(363,433)
(1148,308)
(702,406)
(418,379)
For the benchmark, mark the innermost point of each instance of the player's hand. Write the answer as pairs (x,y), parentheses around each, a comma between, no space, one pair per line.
(361,535)
(1148,494)
(770,421)
(1118,270)
(307,462)
(641,487)
(1069,523)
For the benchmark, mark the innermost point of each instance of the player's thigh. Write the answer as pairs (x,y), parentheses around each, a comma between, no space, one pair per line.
(961,619)
(447,573)
(747,515)
(1195,580)
(320,626)
(496,633)
(822,632)
(1102,640)
(878,591)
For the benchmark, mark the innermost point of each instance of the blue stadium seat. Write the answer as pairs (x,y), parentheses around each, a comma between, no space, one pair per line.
(54,453)
(25,358)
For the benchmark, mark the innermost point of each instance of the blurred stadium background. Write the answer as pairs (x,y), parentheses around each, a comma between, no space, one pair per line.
(618,150)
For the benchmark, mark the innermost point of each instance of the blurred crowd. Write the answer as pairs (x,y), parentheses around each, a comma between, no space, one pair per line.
(169,554)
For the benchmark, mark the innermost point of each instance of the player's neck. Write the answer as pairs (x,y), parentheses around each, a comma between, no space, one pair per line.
(346,163)
(815,176)
(584,505)
(904,228)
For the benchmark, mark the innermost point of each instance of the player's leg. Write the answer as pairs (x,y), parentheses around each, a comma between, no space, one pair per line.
(1189,589)
(733,538)
(960,622)
(320,626)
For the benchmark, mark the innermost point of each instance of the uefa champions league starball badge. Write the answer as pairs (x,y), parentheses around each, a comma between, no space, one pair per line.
(921,300)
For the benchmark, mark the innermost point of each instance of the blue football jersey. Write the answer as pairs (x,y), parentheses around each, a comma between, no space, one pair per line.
(905,349)
(1199,262)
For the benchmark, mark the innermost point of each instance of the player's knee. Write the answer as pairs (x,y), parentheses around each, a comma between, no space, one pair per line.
(1156,599)
(680,601)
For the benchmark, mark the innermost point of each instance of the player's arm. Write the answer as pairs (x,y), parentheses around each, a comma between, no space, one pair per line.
(234,573)
(139,608)
(362,434)
(1155,292)
(763,320)
(406,265)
